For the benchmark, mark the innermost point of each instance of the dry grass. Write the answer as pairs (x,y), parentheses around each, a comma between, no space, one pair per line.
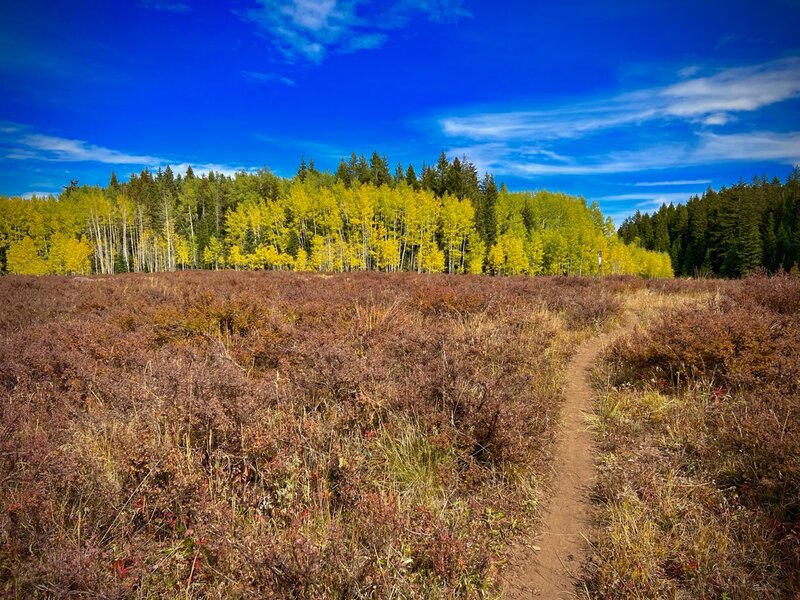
(699,419)
(277,435)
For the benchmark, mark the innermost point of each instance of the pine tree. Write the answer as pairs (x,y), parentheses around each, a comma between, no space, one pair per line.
(343,173)
(770,242)
(113,184)
(302,170)
(399,175)
(411,177)
(487,217)
(379,170)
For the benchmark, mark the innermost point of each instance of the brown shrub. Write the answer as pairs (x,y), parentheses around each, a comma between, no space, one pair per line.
(704,408)
(273,434)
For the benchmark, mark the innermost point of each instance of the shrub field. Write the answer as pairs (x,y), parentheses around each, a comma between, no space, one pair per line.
(276,434)
(700,473)
(289,435)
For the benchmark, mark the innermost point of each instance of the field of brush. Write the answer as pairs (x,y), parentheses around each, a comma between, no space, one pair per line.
(224,434)
(698,418)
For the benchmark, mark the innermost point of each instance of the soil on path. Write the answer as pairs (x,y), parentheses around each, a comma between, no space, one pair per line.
(548,566)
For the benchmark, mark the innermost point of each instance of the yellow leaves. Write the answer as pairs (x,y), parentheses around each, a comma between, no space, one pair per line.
(69,256)
(23,259)
(182,251)
(457,221)
(496,259)
(213,254)
(301,261)
(508,256)
(476,253)
(237,225)
(318,226)
(268,257)
(235,257)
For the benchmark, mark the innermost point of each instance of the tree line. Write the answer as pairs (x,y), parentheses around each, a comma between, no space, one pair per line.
(361,217)
(728,233)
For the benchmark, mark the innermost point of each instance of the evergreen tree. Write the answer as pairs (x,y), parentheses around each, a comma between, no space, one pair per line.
(379,170)
(343,173)
(487,217)
(399,175)
(302,170)
(411,177)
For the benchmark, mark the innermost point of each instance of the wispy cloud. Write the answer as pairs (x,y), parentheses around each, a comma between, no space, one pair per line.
(20,143)
(310,29)
(757,145)
(689,119)
(621,206)
(268,77)
(648,199)
(711,100)
(51,148)
(166,6)
(539,126)
(741,89)
(506,159)
(672,182)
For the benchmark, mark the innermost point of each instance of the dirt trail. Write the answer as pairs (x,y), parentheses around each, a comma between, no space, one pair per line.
(548,565)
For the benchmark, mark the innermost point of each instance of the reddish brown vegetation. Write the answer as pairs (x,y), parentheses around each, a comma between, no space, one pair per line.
(233,434)
(706,406)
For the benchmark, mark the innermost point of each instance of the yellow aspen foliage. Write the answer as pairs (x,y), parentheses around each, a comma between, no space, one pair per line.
(214,255)
(476,253)
(534,249)
(182,251)
(260,221)
(236,259)
(301,260)
(516,261)
(496,259)
(69,256)
(23,258)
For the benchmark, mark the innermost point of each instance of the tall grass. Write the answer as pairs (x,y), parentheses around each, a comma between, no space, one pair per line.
(700,477)
(277,435)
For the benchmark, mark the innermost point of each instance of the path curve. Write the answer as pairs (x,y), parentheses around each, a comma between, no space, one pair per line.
(549,565)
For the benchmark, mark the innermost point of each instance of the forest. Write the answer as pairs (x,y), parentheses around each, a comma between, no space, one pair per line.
(728,233)
(362,217)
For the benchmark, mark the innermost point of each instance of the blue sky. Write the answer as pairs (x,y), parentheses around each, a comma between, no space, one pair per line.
(628,103)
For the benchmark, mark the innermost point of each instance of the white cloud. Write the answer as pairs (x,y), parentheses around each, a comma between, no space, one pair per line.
(710,100)
(9,127)
(28,146)
(545,125)
(29,195)
(757,145)
(47,147)
(506,159)
(688,119)
(266,77)
(735,90)
(201,169)
(657,197)
(717,119)
(672,182)
(689,71)
(310,29)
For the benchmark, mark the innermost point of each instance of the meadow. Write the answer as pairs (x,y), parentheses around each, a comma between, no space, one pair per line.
(276,434)
(698,416)
(296,435)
